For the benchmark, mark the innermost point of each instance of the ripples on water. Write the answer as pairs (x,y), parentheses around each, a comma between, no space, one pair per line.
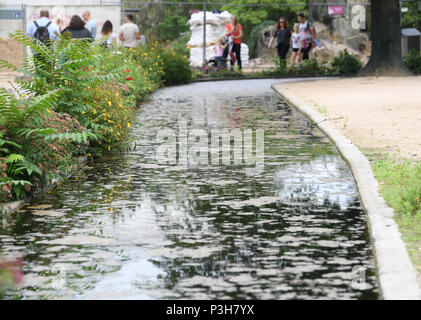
(130,228)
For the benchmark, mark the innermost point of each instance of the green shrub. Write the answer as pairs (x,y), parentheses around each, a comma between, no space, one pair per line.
(413,62)
(90,79)
(180,44)
(167,66)
(345,64)
(308,67)
(400,185)
(176,67)
(34,141)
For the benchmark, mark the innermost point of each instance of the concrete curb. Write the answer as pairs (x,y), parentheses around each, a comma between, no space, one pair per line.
(396,274)
(309,77)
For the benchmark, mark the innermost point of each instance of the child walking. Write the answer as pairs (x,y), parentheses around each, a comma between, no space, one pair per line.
(219,53)
(297,40)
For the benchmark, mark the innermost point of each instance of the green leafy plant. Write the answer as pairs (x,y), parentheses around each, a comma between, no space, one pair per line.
(31,150)
(168,66)
(345,64)
(413,62)
(7,158)
(78,99)
(400,185)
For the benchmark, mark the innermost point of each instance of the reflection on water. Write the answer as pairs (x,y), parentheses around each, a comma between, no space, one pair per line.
(130,228)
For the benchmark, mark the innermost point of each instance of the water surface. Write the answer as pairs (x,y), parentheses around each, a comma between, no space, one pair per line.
(128,227)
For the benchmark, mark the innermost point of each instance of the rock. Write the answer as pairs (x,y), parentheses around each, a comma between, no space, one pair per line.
(357,42)
(48,213)
(353,41)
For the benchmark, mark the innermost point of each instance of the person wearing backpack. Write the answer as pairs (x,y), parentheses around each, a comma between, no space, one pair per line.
(307,29)
(44,29)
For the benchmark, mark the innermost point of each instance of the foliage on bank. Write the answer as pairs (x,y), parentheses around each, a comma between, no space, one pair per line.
(400,185)
(413,62)
(345,64)
(79,100)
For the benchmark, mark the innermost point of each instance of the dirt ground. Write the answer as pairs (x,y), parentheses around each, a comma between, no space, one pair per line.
(11,51)
(382,114)
(6,78)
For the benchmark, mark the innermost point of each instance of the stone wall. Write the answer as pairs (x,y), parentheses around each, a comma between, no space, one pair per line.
(348,28)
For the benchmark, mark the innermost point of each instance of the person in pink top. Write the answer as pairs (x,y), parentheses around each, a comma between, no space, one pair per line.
(219,53)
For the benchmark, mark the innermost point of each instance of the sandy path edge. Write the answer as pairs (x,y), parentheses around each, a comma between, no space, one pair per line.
(396,274)
(381,113)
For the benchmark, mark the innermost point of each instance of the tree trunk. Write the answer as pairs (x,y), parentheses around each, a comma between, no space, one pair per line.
(386,54)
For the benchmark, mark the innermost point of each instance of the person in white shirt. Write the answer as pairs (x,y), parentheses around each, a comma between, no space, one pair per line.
(129,33)
(297,40)
(307,29)
(44,21)
(90,23)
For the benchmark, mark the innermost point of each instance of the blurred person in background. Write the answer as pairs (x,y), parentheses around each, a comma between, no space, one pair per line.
(234,30)
(109,37)
(129,33)
(306,28)
(282,35)
(77,30)
(90,23)
(44,29)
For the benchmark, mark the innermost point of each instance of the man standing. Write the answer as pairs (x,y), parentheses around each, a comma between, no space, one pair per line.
(129,33)
(306,28)
(44,29)
(90,23)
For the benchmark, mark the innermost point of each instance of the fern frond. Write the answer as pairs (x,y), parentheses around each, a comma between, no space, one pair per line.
(20,167)
(14,157)
(29,132)
(6,65)
(79,137)
(15,182)
(43,102)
